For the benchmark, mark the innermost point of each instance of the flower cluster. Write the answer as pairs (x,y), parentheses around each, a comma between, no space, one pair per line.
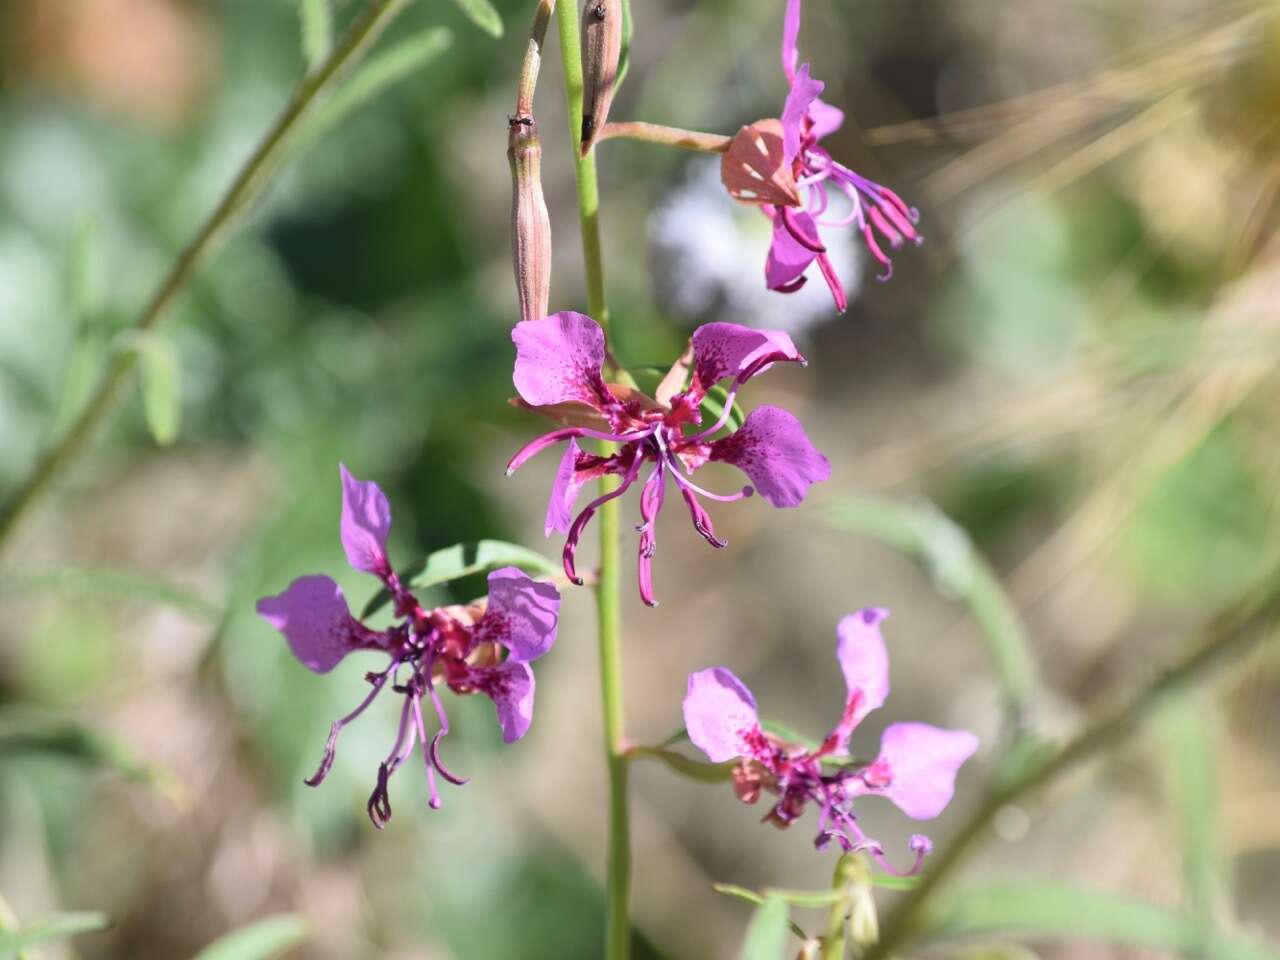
(780,166)
(558,372)
(916,768)
(485,647)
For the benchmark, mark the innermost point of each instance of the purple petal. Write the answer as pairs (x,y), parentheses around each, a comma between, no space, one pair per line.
(730,350)
(564,492)
(804,91)
(920,763)
(558,360)
(719,714)
(510,686)
(790,38)
(771,448)
(788,258)
(825,118)
(864,660)
(366,521)
(522,614)
(313,616)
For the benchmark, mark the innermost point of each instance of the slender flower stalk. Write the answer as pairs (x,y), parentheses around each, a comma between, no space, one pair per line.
(608,593)
(248,183)
(665,136)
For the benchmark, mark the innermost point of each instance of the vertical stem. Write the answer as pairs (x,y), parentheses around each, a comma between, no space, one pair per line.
(618,922)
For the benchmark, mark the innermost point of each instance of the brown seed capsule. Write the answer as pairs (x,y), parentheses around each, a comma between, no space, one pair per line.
(601,50)
(530,222)
(754,168)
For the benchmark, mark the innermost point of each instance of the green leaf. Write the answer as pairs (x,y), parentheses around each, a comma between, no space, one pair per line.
(109,584)
(379,74)
(699,770)
(57,926)
(33,732)
(628,31)
(750,896)
(258,941)
(161,399)
(767,933)
(1187,730)
(317,30)
(1040,909)
(463,560)
(482,14)
(784,732)
(928,536)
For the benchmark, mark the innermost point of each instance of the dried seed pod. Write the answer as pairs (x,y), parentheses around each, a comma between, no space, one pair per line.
(530,222)
(754,168)
(601,50)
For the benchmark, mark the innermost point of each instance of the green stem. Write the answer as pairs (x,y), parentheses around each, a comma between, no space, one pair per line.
(1237,631)
(363,31)
(608,606)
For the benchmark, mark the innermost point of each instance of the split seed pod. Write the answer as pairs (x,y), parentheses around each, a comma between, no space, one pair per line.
(530,222)
(601,51)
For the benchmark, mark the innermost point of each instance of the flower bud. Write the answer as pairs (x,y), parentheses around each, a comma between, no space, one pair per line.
(530,222)
(601,50)
(754,168)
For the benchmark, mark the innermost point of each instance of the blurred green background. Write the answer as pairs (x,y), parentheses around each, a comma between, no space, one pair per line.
(1078,368)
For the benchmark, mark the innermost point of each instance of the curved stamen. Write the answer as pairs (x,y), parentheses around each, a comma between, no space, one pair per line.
(725,414)
(580,523)
(538,444)
(702,521)
(433,794)
(439,764)
(833,282)
(689,485)
(335,729)
(651,498)
(797,232)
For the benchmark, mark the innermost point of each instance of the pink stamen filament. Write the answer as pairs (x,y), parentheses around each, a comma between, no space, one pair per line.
(538,444)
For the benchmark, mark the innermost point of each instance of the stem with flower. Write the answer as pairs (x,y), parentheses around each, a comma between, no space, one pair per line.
(608,601)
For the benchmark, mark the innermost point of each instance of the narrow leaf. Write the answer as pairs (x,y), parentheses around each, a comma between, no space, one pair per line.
(58,926)
(789,734)
(317,30)
(262,940)
(1040,909)
(942,548)
(699,770)
(628,31)
(1186,730)
(750,896)
(482,14)
(35,733)
(377,76)
(161,399)
(767,933)
(109,584)
(463,560)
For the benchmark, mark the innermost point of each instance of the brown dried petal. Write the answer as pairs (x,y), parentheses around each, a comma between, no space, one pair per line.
(754,170)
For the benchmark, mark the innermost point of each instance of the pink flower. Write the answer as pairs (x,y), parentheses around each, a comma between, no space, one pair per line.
(558,367)
(485,647)
(780,166)
(916,768)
